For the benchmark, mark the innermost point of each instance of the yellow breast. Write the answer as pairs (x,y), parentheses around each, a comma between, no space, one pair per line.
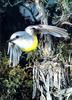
(33,46)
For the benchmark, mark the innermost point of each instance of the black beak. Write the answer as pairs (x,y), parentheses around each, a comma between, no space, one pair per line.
(10,40)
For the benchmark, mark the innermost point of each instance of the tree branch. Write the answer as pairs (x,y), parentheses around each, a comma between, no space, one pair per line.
(14,3)
(30,12)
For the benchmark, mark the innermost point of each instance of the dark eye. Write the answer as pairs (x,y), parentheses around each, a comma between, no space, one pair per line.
(17,37)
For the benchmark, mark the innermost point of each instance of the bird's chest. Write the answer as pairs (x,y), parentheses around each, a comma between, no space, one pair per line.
(27,44)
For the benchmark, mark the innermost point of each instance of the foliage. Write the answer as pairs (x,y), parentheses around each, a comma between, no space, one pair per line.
(14,82)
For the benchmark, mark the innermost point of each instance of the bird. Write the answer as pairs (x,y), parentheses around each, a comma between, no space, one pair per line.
(27,40)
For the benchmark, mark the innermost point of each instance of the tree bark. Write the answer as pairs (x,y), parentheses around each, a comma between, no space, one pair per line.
(44,20)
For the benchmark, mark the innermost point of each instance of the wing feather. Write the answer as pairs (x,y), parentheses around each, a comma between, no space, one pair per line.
(51,30)
(14,54)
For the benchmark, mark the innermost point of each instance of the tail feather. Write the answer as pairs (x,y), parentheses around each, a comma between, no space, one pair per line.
(14,54)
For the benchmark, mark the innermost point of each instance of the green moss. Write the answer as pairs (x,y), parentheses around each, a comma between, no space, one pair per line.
(14,81)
